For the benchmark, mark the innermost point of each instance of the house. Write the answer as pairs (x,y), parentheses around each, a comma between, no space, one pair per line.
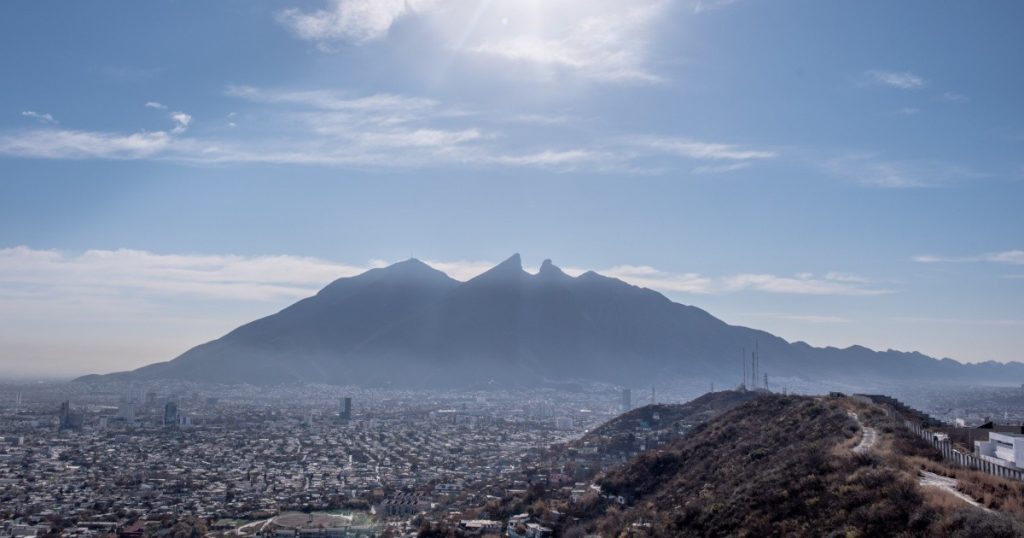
(1002,448)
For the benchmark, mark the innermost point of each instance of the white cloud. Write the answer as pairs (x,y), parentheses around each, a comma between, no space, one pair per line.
(355,21)
(962,322)
(124,271)
(903,80)
(125,279)
(181,122)
(832,283)
(596,39)
(41,118)
(719,168)
(332,128)
(549,158)
(806,318)
(695,149)
(69,144)
(1012,257)
(803,284)
(953,97)
(380,103)
(156,105)
(871,170)
(607,42)
(702,6)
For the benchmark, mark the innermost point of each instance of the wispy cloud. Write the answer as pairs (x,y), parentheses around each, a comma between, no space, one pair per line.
(695,149)
(953,97)
(1012,257)
(155,104)
(832,283)
(702,6)
(902,80)
(354,21)
(962,321)
(805,318)
(871,170)
(41,118)
(71,144)
(719,168)
(49,276)
(333,128)
(254,278)
(181,122)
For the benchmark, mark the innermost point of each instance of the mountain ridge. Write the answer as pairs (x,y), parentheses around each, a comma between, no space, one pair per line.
(411,324)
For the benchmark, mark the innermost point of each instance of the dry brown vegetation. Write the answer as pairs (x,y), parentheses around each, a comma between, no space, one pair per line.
(772,468)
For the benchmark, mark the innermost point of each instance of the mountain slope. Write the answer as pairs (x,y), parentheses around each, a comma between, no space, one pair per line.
(780,466)
(409,324)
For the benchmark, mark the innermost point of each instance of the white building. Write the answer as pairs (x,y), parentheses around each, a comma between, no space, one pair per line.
(1002,448)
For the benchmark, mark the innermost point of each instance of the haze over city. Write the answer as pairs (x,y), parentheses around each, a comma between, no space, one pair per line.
(836,174)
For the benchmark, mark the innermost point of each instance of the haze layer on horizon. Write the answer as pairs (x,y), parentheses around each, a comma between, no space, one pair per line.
(837,174)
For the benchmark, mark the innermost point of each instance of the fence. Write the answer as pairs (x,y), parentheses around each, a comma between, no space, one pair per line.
(963,459)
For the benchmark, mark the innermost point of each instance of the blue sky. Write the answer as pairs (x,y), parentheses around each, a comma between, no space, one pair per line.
(834,173)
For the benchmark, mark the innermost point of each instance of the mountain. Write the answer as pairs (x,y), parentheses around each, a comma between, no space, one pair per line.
(411,325)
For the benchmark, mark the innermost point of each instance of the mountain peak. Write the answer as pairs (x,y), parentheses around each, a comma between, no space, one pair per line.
(411,266)
(510,268)
(550,270)
(513,262)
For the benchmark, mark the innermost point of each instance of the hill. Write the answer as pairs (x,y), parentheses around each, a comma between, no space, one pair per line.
(682,416)
(644,428)
(775,466)
(783,466)
(411,325)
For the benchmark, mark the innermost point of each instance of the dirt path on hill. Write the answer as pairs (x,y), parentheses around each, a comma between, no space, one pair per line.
(868,436)
(932,480)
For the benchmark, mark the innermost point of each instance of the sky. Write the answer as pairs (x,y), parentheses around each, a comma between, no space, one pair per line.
(835,173)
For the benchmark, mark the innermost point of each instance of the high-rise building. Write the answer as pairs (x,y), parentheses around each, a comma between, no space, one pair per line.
(127,411)
(69,420)
(64,413)
(346,409)
(170,414)
(627,400)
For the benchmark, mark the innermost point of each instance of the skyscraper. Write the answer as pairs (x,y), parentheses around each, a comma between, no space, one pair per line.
(627,400)
(346,409)
(69,420)
(64,413)
(170,414)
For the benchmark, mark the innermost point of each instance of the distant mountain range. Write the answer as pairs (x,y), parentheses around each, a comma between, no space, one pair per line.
(411,325)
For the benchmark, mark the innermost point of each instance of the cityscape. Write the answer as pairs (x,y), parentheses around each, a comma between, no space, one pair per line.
(511,269)
(250,461)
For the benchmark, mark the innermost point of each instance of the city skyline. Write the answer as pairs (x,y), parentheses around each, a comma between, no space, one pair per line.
(834,174)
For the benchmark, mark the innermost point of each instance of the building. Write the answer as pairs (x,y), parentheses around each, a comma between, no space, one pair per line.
(627,400)
(69,419)
(126,411)
(345,413)
(476,527)
(170,414)
(1002,448)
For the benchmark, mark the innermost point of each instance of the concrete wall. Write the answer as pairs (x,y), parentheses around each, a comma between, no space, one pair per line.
(961,459)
